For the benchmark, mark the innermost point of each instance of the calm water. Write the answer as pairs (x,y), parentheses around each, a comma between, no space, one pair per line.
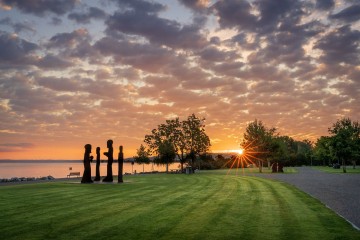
(61,169)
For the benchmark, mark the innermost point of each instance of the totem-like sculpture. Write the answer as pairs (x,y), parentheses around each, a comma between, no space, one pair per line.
(109,154)
(97,176)
(87,167)
(120,161)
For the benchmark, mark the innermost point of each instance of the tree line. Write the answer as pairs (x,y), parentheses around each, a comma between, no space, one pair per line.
(188,142)
(341,147)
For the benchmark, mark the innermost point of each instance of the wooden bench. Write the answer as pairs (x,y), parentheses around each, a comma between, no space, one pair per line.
(73,174)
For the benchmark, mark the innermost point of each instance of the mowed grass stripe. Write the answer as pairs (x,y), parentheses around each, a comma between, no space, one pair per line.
(208,205)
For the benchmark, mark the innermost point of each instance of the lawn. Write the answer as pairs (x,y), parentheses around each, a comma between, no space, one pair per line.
(349,169)
(206,205)
(240,171)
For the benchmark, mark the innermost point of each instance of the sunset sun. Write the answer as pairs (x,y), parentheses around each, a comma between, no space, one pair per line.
(244,156)
(238,151)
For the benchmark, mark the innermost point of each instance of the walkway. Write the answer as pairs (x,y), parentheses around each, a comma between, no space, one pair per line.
(340,192)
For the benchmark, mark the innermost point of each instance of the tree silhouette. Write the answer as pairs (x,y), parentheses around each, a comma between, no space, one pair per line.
(345,140)
(187,137)
(259,140)
(142,156)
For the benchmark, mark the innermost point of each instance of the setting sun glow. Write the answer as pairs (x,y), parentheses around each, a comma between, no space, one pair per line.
(245,157)
(237,151)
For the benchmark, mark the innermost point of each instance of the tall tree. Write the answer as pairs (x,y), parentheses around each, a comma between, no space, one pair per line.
(259,140)
(323,150)
(305,151)
(142,156)
(187,137)
(195,139)
(289,148)
(166,155)
(345,140)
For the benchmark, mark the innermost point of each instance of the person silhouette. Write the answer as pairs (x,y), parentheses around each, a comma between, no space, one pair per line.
(109,154)
(87,167)
(97,176)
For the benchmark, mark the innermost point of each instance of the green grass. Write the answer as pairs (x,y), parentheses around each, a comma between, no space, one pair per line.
(349,169)
(206,205)
(264,170)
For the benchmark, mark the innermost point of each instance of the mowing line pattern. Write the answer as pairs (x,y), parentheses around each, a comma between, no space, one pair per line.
(207,205)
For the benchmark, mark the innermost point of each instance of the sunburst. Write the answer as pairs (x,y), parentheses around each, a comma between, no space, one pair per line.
(244,157)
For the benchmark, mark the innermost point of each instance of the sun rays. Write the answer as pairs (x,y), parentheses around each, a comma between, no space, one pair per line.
(244,157)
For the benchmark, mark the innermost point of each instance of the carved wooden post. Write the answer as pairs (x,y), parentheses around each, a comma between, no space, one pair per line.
(87,167)
(97,176)
(109,154)
(121,162)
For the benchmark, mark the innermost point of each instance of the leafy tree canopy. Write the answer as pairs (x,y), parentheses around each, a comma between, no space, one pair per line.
(142,155)
(188,138)
(345,140)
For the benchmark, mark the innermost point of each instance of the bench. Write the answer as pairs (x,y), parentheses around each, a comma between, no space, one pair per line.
(73,174)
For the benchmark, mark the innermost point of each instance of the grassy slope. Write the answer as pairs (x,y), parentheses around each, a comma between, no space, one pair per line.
(207,205)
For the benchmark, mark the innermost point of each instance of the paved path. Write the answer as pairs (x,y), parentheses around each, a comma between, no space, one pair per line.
(340,192)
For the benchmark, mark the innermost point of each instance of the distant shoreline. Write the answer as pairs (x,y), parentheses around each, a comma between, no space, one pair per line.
(55,161)
(38,161)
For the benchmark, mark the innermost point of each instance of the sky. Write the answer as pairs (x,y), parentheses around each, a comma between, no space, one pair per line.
(76,72)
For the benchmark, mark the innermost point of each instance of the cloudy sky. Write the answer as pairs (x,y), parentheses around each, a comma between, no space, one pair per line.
(74,72)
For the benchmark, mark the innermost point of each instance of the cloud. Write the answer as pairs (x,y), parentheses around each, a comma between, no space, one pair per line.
(18,26)
(135,59)
(147,57)
(40,7)
(325,4)
(52,62)
(197,5)
(216,55)
(140,5)
(85,17)
(75,44)
(157,30)
(13,49)
(68,40)
(235,14)
(350,14)
(56,21)
(340,46)
(274,12)
(59,84)
(15,147)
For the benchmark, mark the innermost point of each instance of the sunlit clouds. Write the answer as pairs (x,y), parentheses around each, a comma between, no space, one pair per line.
(77,72)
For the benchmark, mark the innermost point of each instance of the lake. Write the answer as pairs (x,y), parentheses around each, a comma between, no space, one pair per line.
(60,169)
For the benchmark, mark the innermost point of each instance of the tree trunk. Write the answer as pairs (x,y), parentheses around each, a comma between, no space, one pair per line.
(182,161)
(260,166)
(167,167)
(344,166)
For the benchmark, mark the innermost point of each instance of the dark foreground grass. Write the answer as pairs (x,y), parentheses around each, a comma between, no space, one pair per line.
(206,205)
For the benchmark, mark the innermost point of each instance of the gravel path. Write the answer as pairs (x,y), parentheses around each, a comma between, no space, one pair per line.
(340,192)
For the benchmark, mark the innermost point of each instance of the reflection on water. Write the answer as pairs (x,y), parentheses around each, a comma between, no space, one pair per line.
(61,169)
